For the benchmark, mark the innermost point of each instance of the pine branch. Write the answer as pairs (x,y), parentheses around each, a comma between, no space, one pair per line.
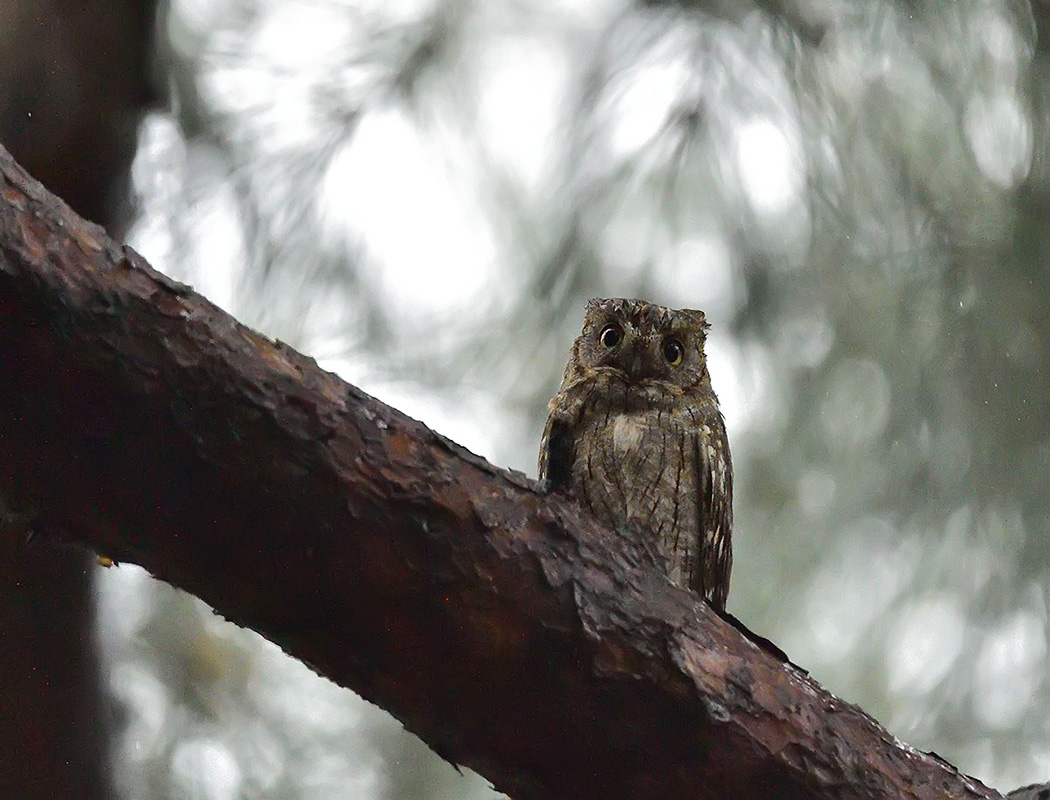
(499,624)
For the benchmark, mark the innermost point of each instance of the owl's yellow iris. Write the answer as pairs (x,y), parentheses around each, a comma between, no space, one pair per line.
(673,352)
(610,336)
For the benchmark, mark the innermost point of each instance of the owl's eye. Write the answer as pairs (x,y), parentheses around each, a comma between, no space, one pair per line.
(673,352)
(610,336)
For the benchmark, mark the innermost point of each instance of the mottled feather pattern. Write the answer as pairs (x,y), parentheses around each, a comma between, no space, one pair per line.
(639,440)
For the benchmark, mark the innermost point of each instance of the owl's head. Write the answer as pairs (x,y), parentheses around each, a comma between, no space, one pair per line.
(645,342)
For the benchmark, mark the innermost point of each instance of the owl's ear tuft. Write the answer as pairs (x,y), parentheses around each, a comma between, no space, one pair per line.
(697,318)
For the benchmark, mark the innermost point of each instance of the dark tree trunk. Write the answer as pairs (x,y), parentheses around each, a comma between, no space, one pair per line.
(74,80)
(73,83)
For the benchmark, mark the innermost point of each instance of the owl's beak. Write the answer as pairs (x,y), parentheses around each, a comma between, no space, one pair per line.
(636,365)
(633,359)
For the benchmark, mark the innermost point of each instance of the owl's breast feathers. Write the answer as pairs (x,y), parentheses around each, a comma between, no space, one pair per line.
(654,461)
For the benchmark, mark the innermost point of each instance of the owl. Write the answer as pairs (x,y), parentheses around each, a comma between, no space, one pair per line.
(635,434)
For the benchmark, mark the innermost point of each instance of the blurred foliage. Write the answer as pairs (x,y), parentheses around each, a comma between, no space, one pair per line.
(422,194)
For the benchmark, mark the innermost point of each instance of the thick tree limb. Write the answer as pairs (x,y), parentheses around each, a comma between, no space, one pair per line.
(508,631)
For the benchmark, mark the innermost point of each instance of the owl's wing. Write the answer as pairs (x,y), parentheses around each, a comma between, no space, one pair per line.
(714,477)
(556,452)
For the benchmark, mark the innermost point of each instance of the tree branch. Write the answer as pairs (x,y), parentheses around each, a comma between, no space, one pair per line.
(501,625)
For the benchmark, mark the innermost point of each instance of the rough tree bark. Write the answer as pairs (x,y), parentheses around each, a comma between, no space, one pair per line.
(501,625)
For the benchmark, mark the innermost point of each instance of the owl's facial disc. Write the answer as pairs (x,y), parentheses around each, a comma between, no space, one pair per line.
(640,357)
(645,346)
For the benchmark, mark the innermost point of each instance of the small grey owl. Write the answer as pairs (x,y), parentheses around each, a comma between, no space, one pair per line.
(636,435)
